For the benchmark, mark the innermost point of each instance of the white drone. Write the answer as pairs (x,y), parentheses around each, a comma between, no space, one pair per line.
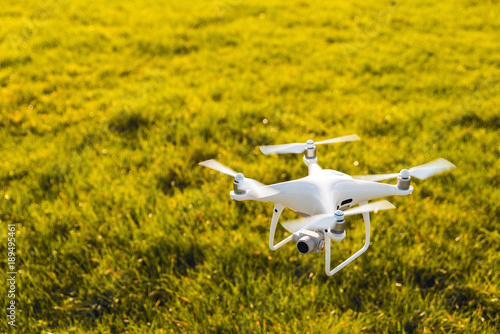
(324,197)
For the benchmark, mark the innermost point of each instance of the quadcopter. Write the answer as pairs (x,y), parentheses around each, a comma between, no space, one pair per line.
(324,198)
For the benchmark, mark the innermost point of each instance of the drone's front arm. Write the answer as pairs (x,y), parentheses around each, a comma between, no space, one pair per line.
(362,191)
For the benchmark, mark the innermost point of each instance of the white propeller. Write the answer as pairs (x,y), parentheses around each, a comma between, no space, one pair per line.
(260,190)
(300,147)
(325,221)
(215,165)
(420,172)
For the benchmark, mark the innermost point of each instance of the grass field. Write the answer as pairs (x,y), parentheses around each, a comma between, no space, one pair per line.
(106,110)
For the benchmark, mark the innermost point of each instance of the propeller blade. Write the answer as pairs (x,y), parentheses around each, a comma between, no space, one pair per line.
(250,184)
(284,148)
(300,147)
(260,190)
(370,207)
(339,139)
(420,172)
(313,222)
(218,167)
(429,169)
(325,221)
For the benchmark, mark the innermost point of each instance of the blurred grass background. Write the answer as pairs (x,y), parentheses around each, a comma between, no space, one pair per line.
(106,109)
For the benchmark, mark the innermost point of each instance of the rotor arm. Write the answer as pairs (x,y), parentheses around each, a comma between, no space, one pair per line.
(278,209)
(366,218)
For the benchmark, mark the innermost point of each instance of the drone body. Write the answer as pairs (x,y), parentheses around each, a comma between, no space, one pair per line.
(323,191)
(324,198)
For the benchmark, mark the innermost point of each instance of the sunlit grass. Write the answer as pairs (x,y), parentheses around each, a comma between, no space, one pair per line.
(106,110)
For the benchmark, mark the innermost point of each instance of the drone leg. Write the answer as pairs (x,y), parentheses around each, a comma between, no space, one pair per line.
(278,209)
(366,218)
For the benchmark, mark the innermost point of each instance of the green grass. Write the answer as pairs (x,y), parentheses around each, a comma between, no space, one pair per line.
(107,109)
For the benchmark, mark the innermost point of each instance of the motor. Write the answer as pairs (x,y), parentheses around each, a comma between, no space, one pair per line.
(239,179)
(309,241)
(310,153)
(337,233)
(404,179)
